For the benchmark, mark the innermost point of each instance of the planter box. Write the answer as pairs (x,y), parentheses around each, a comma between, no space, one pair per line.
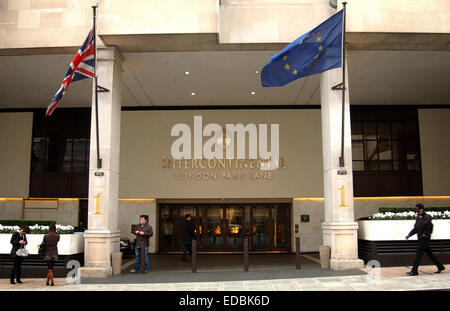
(69,244)
(384,241)
(395,230)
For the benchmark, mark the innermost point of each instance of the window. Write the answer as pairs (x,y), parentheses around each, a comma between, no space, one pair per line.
(60,153)
(386,151)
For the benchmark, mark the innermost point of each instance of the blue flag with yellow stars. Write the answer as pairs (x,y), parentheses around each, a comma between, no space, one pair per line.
(314,52)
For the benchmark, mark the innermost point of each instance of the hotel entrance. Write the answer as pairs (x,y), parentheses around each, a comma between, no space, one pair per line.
(222,227)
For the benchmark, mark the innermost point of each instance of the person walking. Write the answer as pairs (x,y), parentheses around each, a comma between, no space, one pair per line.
(18,240)
(187,234)
(51,240)
(143,233)
(423,228)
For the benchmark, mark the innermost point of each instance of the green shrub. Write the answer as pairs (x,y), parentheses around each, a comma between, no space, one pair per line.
(25,222)
(413,209)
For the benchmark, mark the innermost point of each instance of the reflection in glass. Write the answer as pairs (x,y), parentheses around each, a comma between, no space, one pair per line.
(259,230)
(357,150)
(234,223)
(214,227)
(167,225)
(358,165)
(280,229)
(370,130)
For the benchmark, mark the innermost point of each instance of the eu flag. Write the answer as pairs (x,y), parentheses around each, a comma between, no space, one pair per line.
(314,52)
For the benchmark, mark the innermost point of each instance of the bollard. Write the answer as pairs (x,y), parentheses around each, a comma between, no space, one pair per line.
(142,261)
(297,253)
(194,256)
(246,254)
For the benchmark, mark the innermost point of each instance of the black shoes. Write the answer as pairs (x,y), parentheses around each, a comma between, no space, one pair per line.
(12,282)
(19,282)
(440,269)
(412,273)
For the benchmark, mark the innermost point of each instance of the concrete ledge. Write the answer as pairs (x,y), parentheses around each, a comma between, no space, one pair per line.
(95,272)
(346,264)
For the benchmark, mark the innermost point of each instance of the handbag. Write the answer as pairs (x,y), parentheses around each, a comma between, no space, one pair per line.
(42,247)
(22,252)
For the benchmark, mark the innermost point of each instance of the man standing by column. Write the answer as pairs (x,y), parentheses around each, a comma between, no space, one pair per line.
(143,233)
(423,227)
(187,234)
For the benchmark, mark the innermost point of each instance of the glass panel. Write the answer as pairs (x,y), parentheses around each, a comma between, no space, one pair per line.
(396,165)
(413,165)
(167,227)
(371,150)
(188,209)
(371,165)
(383,129)
(281,230)
(38,154)
(61,145)
(385,165)
(358,165)
(397,150)
(370,131)
(67,164)
(215,227)
(357,150)
(357,130)
(260,226)
(411,130)
(397,130)
(234,223)
(412,155)
(384,148)
(199,230)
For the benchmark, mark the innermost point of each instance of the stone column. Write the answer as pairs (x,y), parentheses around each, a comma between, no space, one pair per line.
(339,227)
(103,236)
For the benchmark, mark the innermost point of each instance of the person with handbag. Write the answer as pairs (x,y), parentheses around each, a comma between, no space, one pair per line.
(50,243)
(18,241)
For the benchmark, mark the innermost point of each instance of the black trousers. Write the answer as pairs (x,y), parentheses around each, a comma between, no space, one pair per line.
(187,249)
(424,247)
(17,268)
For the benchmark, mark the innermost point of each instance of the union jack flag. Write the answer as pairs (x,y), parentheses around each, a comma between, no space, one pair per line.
(81,67)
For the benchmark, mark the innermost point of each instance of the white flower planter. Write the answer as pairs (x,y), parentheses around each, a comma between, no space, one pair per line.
(69,244)
(389,230)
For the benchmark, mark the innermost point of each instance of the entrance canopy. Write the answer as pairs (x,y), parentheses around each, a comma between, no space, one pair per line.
(232,78)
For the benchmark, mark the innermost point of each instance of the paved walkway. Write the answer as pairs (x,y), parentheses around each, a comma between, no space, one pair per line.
(388,279)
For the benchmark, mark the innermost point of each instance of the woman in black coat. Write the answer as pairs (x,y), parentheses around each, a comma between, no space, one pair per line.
(18,240)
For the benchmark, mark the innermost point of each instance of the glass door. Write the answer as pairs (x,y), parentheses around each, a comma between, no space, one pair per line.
(281,225)
(260,227)
(220,227)
(215,227)
(168,228)
(234,226)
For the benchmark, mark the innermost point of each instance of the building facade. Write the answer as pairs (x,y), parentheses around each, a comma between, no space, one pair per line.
(170,63)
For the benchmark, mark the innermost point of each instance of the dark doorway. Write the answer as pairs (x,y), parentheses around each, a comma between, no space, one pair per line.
(222,227)
(83,214)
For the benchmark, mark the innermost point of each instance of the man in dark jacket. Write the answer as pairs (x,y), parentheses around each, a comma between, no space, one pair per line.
(423,228)
(187,234)
(143,233)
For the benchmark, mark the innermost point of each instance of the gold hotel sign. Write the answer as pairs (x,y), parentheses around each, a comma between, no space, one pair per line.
(221,169)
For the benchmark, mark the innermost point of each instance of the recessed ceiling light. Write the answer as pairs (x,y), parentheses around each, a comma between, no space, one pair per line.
(187,73)
(253,92)
(193,93)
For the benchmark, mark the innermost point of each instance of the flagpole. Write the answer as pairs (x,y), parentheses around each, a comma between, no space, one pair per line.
(99,160)
(341,159)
